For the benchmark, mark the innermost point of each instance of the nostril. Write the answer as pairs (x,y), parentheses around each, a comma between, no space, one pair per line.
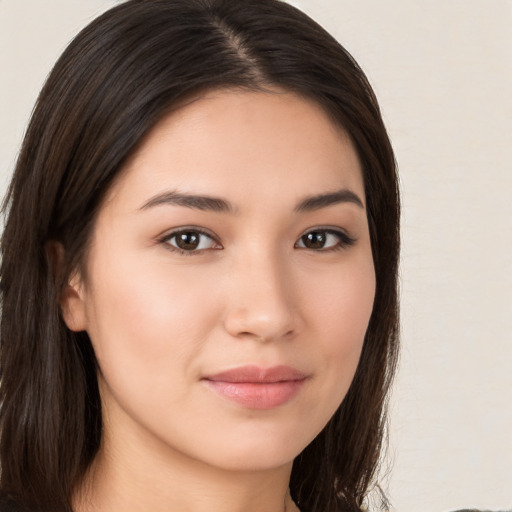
(256,337)
(265,338)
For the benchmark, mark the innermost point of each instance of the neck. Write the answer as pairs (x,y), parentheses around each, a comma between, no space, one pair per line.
(136,482)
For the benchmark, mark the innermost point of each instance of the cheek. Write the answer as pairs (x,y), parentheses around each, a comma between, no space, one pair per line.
(144,324)
(342,302)
(337,307)
(341,314)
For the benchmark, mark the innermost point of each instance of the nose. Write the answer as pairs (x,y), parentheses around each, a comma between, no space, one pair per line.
(261,303)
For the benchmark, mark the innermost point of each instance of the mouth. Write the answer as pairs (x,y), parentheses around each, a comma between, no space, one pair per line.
(257,388)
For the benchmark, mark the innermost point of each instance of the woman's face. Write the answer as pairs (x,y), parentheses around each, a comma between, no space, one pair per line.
(229,282)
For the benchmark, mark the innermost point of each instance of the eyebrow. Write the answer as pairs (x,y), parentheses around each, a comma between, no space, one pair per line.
(320,201)
(207,203)
(216,204)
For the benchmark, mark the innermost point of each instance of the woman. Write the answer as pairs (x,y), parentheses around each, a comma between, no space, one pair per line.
(199,269)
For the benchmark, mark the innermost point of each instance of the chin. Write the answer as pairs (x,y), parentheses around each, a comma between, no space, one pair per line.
(255,459)
(260,450)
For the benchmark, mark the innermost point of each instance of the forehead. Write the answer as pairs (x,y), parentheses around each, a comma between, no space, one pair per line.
(226,141)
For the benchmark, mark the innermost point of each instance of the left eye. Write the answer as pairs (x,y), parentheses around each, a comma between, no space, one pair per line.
(324,240)
(190,240)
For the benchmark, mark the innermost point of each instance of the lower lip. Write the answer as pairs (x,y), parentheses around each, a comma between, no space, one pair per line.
(265,395)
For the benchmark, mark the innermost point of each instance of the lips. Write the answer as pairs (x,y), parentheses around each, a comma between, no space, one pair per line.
(257,388)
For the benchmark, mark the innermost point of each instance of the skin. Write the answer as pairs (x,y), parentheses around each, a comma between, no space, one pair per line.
(253,292)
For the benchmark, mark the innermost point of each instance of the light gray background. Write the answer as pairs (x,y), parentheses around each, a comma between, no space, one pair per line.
(442,70)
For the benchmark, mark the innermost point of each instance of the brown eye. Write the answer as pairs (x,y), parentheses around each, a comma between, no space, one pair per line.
(314,240)
(324,240)
(190,240)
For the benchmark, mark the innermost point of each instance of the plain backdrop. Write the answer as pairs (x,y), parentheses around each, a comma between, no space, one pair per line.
(442,70)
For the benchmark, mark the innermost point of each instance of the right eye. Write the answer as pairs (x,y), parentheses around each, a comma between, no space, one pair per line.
(190,241)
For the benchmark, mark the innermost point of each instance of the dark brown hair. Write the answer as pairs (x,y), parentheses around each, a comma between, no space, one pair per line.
(114,82)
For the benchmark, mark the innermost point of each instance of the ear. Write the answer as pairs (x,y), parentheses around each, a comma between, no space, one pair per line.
(72,296)
(72,304)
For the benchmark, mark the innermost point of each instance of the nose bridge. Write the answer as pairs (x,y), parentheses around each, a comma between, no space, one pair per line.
(261,303)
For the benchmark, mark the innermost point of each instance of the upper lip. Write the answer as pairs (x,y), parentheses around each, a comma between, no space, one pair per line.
(256,374)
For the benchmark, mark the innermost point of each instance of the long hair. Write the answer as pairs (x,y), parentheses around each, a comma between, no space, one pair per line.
(120,76)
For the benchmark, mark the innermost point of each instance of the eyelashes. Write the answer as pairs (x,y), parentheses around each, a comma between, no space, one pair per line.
(189,241)
(192,240)
(324,240)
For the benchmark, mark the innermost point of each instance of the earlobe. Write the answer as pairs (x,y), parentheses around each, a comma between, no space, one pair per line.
(71,298)
(72,305)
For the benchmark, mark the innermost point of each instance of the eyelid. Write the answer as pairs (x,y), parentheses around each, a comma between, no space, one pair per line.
(345,240)
(168,235)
